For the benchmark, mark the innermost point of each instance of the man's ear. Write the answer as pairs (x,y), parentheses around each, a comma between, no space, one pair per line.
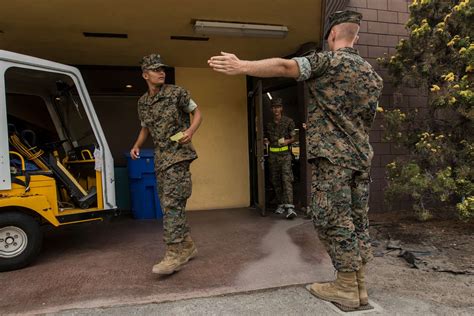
(145,75)
(356,39)
(331,36)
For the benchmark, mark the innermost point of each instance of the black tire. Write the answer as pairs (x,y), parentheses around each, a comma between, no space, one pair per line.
(18,252)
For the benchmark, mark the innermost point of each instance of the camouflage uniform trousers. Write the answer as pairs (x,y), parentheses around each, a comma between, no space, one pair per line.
(340,213)
(174,189)
(281,176)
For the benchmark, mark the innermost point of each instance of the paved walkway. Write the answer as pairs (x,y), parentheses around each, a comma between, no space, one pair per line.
(107,264)
(293,300)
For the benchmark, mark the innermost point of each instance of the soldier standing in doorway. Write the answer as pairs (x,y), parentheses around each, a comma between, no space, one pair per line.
(164,112)
(279,134)
(343,95)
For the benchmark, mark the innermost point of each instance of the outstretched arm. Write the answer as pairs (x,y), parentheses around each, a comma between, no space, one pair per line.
(230,64)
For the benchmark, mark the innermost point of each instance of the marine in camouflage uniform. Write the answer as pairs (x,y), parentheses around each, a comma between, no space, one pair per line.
(343,95)
(163,112)
(344,92)
(279,160)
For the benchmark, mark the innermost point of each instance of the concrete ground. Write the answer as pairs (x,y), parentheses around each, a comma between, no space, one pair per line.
(108,264)
(292,300)
(247,265)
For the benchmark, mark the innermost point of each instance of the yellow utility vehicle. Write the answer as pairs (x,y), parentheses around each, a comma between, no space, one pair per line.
(55,165)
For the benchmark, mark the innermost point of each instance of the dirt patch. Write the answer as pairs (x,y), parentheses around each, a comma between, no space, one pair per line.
(431,260)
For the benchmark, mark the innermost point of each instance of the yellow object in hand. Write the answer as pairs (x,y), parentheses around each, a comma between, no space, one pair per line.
(176,137)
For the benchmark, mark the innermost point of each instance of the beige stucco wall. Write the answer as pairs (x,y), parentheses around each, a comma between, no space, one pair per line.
(221,173)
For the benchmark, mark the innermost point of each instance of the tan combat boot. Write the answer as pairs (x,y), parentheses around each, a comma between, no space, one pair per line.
(343,290)
(188,250)
(363,295)
(170,262)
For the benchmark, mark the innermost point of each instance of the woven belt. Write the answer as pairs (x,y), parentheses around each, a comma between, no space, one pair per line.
(278,149)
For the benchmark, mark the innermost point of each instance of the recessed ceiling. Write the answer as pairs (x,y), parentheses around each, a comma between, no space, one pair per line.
(54,29)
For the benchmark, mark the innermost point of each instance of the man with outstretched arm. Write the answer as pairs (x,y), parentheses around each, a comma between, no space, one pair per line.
(344,90)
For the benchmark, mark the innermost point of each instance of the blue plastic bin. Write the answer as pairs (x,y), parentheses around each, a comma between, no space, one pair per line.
(145,203)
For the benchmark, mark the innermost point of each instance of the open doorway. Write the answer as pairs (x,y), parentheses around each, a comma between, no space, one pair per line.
(294,99)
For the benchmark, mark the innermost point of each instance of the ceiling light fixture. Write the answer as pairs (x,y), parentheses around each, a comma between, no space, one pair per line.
(269,95)
(204,28)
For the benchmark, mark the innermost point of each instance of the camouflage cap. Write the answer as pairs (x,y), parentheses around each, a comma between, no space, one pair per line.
(339,17)
(277,102)
(152,61)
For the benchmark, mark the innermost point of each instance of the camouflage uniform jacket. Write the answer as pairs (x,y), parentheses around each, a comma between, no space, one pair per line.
(344,91)
(283,129)
(166,114)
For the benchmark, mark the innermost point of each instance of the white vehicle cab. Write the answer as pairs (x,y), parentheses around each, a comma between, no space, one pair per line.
(55,165)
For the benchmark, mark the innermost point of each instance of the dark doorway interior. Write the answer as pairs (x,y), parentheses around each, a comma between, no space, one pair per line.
(293,95)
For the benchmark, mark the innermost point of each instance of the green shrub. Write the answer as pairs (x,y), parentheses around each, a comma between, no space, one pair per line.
(437,57)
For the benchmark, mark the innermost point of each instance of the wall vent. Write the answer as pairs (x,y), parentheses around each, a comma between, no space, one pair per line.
(189,38)
(105,35)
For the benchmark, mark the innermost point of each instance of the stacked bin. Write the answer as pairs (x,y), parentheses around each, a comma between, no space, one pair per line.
(145,203)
